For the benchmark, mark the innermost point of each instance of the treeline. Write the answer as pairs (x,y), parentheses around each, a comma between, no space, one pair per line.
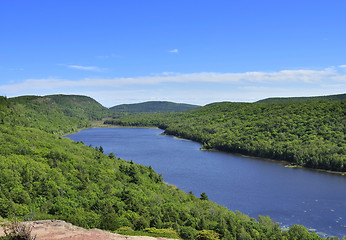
(338,97)
(309,134)
(152,107)
(44,176)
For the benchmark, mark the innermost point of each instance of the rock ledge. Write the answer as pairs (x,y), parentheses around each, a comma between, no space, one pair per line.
(61,230)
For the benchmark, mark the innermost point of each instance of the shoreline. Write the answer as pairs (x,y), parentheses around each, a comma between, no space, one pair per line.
(100,124)
(282,162)
(287,164)
(316,169)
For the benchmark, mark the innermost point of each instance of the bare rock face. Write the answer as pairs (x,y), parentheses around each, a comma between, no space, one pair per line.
(61,230)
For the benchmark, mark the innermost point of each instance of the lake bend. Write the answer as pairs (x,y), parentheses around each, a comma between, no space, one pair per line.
(253,186)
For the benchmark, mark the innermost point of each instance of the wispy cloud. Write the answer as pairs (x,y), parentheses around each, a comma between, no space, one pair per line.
(199,87)
(86,68)
(174,51)
(285,76)
(16,69)
(108,56)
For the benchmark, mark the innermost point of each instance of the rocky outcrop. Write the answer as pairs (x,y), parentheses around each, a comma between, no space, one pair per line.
(60,230)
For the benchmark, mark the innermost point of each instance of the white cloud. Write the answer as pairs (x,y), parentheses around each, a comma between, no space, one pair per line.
(285,76)
(174,51)
(198,88)
(86,68)
(342,66)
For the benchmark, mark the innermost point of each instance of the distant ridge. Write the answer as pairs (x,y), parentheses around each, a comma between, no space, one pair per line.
(338,97)
(153,107)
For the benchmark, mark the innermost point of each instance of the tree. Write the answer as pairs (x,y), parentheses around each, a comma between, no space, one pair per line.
(188,233)
(204,196)
(111,156)
(298,232)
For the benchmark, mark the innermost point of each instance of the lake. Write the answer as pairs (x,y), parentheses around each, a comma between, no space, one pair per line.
(253,186)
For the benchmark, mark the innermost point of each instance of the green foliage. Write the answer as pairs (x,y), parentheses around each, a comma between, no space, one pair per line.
(54,113)
(339,97)
(298,232)
(207,235)
(153,106)
(204,196)
(169,232)
(309,134)
(188,233)
(153,232)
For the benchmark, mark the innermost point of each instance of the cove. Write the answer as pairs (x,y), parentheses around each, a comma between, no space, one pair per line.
(253,186)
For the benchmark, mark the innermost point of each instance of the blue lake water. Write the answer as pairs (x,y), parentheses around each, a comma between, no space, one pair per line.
(253,186)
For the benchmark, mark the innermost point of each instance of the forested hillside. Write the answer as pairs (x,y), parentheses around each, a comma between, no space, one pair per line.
(153,107)
(339,97)
(309,133)
(55,113)
(46,176)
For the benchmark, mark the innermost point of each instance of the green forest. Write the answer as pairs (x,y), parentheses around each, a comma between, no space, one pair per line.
(338,97)
(304,133)
(46,176)
(152,107)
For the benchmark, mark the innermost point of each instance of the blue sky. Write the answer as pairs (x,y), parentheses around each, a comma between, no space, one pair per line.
(192,51)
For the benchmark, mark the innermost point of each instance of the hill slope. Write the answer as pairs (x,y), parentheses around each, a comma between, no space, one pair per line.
(56,113)
(153,106)
(339,97)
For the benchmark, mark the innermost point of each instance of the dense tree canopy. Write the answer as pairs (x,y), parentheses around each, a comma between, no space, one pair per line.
(152,107)
(338,97)
(55,113)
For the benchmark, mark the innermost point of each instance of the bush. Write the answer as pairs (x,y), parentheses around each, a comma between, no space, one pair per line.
(160,231)
(188,233)
(167,232)
(17,231)
(207,235)
(125,229)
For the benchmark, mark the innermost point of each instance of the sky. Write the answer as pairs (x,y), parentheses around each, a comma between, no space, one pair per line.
(188,51)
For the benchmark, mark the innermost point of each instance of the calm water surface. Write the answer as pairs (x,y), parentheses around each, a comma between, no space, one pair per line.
(253,186)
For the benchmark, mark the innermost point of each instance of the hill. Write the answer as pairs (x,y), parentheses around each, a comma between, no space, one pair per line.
(56,113)
(45,176)
(153,106)
(339,97)
(309,134)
